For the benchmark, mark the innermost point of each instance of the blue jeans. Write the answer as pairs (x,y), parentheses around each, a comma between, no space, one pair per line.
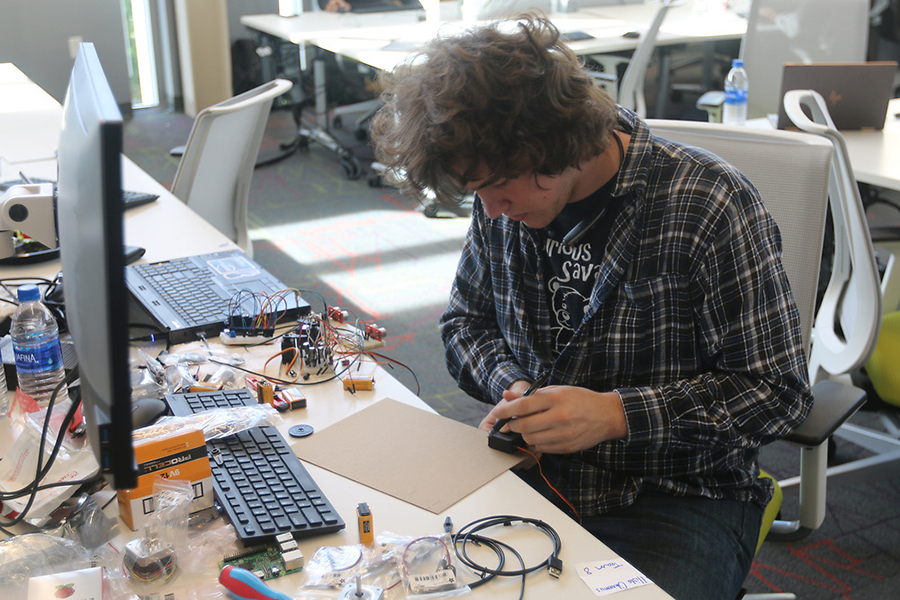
(693,548)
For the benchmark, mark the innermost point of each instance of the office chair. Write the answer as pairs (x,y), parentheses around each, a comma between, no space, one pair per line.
(853,308)
(630,91)
(790,170)
(213,176)
(795,31)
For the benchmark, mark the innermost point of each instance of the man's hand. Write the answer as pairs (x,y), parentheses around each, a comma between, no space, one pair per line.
(337,6)
(560,419)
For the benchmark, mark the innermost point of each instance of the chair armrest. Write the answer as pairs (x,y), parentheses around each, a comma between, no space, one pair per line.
(833,404)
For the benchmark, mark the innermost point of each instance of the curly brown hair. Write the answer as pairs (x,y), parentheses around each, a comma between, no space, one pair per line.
(509,95)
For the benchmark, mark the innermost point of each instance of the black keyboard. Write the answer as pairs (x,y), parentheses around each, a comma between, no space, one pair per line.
(186,288)
(258,480)
(130,198)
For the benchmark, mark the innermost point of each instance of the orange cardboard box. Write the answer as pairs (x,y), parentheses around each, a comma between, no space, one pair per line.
(180,456)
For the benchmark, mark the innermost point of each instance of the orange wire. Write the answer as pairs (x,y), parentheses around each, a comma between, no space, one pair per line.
(550,485)
(290,365)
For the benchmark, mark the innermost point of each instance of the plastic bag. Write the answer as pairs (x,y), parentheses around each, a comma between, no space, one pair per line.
(74,462)
(153,557)
(215,423)
(428,567)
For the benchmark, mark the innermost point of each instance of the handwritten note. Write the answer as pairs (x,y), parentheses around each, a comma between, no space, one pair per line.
(609,576)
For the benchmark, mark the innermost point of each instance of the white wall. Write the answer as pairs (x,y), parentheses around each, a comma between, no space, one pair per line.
(34,36)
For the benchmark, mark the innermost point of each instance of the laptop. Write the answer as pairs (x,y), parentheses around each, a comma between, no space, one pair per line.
(856,94)
(204,294)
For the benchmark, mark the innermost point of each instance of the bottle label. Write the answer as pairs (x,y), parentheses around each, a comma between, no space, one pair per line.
(734,96)
(43,358)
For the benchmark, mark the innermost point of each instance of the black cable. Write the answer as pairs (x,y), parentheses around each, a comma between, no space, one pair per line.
(41,469)
(471,533)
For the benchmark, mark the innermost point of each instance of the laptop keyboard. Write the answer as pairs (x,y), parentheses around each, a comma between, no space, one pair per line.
(258,480)
(186,288)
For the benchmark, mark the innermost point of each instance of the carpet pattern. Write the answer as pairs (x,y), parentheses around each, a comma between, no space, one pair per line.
(372,252)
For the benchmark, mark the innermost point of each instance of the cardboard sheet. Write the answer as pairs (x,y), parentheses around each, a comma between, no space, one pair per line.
(417,456)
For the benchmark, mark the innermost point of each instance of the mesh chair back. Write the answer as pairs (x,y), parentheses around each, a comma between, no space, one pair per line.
(790,171)
(213,177)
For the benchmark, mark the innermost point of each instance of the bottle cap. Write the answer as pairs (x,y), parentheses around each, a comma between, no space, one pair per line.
(28,292)
(737,63)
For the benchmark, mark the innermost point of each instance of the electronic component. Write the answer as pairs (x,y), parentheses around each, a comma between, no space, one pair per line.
(364,516)
(357,383)
(510,441)
(506,441)
(147,561)
(337,315)
(356,375)
(355,590)
(205,386)
(265,392)
(373,332)
(293,397)
(230,337)
(311,344)
(268,561)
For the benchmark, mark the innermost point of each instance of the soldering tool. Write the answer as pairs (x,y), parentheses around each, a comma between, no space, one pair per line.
(510,441)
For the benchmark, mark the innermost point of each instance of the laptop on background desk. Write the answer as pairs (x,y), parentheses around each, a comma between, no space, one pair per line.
(856,94)
(194,295)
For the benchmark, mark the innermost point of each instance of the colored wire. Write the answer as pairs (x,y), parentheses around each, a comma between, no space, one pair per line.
(550,485)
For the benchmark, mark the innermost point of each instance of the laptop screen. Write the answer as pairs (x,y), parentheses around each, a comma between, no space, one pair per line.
(856,94)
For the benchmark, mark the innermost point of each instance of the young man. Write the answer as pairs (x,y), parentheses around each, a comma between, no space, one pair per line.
(644,276)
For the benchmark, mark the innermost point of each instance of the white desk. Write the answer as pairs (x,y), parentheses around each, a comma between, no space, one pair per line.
(875,155)
(366,38)
(169,228)
(29,120)
(684,23)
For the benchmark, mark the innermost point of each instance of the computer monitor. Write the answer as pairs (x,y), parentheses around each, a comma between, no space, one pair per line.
(89,220)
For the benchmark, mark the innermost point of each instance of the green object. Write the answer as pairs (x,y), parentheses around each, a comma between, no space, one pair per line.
(771,511)
(883,367)
(263,561)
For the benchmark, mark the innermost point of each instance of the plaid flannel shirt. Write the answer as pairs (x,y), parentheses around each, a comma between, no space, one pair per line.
(691,320)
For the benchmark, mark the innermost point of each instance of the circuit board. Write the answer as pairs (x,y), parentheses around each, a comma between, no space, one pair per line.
(266,562)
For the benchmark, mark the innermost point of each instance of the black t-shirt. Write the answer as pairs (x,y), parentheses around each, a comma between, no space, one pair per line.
(573,268)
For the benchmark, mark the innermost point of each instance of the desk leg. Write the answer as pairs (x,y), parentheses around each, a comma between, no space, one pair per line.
(320,93)
(350,165)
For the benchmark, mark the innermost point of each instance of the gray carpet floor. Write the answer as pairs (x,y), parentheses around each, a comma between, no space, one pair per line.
(372,252)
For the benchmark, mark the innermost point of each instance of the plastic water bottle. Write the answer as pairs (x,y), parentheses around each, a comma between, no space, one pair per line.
(736,86)
(3,388)
(35,338)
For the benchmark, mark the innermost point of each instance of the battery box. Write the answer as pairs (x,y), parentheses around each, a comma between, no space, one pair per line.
(180,456)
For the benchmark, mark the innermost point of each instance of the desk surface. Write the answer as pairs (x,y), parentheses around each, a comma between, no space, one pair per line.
(875,155)
(169,228)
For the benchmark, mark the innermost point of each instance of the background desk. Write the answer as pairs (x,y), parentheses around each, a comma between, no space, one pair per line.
(369,38)
(875,155)
(168,228)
